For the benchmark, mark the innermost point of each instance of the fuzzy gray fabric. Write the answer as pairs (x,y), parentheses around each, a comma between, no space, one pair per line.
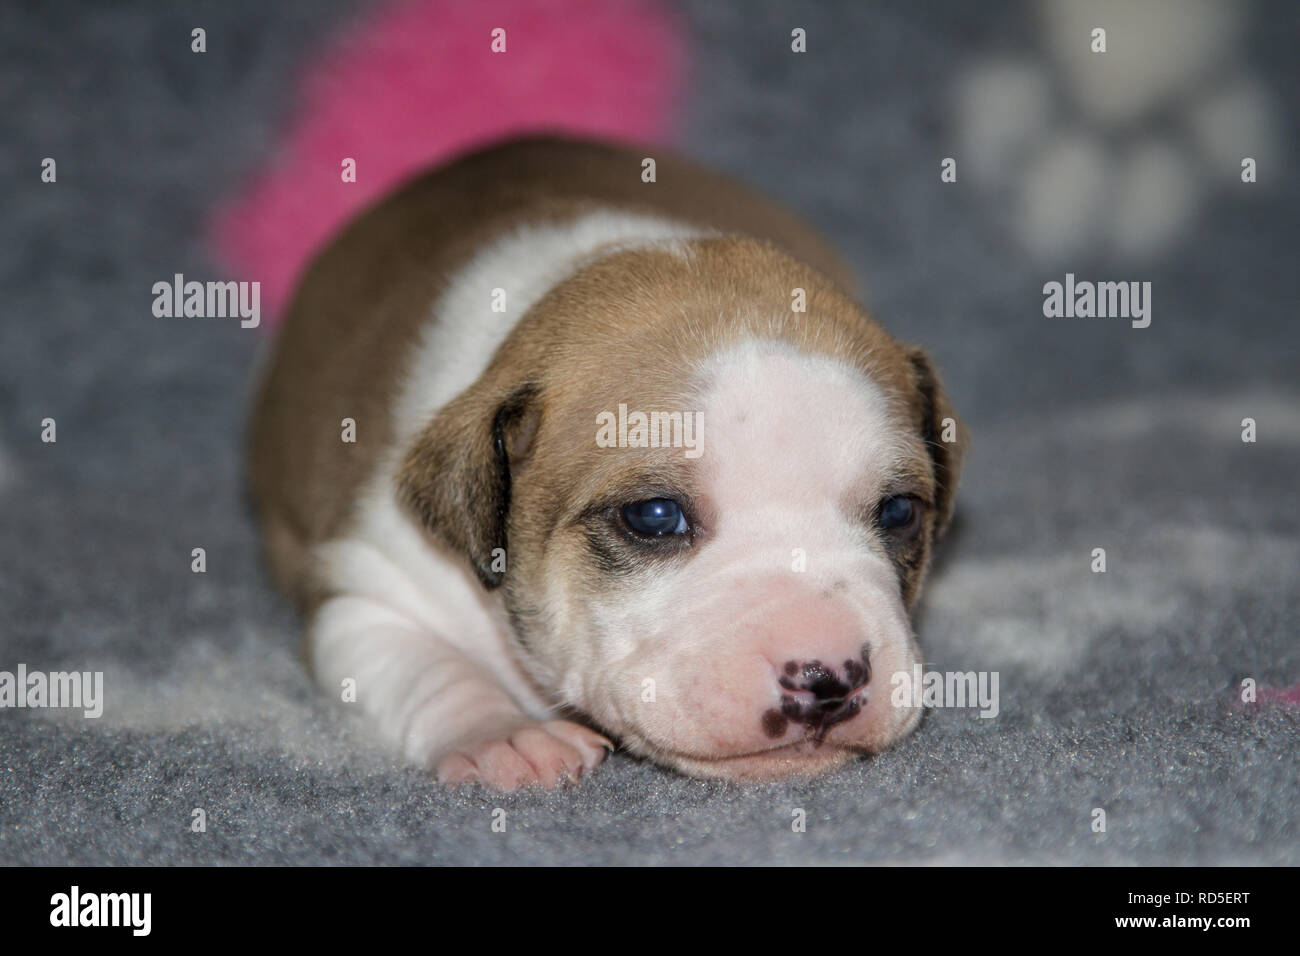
(1118,690)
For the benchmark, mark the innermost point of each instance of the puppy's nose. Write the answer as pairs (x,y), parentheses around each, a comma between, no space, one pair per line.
(827,684)
(819,695)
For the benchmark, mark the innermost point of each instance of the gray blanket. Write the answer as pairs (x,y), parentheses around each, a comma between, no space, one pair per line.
(1119,691)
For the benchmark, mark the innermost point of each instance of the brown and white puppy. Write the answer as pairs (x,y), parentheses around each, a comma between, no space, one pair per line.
(506,589)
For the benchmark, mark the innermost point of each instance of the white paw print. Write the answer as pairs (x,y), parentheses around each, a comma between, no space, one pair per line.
(1115,153)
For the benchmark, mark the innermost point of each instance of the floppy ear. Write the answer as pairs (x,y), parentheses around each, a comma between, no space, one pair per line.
(939,421)
(456,476)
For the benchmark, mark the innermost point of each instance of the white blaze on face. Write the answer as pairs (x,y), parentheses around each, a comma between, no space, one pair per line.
(787,571)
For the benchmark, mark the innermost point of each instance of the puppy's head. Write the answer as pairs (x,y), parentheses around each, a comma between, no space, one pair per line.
(710,513)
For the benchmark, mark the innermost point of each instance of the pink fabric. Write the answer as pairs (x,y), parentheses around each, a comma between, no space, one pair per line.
(419,83)
(1270,696)
(1280,695)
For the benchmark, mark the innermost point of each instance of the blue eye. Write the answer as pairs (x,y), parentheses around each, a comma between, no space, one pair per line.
(897,512)
(655,517)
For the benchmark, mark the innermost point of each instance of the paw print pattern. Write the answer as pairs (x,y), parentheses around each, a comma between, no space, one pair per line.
(1115,153)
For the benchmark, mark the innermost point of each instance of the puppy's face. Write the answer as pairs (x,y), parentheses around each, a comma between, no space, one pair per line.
(729,595)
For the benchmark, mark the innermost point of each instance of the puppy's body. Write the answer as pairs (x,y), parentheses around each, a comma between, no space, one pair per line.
(476,465)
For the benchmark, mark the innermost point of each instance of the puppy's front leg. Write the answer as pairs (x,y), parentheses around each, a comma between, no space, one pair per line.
(443,709)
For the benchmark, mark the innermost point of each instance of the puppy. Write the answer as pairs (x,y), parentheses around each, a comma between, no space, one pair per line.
(551,456)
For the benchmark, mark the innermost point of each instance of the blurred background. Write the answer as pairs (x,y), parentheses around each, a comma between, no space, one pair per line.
(1119,690)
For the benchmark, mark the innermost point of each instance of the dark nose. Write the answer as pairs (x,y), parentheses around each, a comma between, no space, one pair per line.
(827,684)
(822,696)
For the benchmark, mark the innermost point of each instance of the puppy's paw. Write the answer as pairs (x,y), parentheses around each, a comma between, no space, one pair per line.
(551,754)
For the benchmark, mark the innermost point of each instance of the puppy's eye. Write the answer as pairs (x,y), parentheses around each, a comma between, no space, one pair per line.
(656,517)
(897,513)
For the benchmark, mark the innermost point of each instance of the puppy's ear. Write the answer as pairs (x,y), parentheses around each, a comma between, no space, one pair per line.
(938,422)
(456,476)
